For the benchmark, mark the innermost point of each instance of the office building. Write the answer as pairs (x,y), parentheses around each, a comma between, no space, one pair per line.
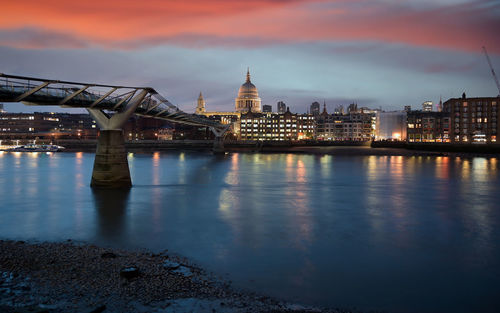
(427,106)
(281,107)
(273,126)
(427,127)
(314,108)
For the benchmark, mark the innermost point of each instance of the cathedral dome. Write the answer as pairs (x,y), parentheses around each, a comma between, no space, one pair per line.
(248,97)
(248,90)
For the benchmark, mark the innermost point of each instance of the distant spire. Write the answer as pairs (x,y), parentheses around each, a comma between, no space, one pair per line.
(248,74)
(200,108)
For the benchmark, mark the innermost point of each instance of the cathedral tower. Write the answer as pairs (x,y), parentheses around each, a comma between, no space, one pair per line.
(200,108)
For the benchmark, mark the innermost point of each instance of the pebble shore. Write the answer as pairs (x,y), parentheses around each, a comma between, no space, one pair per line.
(78,277)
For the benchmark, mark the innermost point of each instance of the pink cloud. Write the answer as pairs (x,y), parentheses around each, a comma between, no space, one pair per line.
(131,24)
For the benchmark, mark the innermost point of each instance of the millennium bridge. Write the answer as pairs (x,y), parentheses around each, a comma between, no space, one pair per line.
(110,106)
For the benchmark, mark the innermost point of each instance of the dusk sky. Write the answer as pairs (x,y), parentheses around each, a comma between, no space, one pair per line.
(378,53)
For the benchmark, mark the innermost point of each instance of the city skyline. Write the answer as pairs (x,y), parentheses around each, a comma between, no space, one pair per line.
(375,53)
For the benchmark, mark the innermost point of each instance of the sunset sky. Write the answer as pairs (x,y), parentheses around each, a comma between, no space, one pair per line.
(378,53)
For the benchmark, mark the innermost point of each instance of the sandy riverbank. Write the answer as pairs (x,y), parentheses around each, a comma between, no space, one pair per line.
(77,277)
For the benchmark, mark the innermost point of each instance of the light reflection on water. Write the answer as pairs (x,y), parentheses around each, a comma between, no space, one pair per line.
(402,234)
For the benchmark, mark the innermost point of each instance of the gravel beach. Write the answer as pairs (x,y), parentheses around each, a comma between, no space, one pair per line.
(79,277)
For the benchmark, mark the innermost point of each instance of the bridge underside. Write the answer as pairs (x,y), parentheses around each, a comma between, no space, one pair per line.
(111,107)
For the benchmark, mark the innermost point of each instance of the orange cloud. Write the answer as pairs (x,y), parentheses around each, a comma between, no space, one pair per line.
(132,24)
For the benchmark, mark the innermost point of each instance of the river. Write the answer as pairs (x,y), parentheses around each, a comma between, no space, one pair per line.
(393,233)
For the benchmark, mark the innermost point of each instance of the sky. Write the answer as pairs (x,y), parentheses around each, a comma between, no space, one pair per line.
(376,53)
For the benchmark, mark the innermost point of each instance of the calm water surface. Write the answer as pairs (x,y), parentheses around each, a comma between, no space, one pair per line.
(402,234)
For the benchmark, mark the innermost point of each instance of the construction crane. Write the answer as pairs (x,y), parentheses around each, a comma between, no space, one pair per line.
(492,70)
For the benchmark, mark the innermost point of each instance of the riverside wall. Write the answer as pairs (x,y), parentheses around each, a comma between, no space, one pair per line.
(440,147)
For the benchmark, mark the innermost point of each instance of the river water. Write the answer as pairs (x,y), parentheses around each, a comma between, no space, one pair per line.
(393,233)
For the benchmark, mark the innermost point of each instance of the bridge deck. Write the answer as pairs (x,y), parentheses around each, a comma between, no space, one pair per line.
(37,91)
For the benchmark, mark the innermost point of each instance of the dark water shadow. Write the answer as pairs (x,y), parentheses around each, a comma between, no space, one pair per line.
(111,207)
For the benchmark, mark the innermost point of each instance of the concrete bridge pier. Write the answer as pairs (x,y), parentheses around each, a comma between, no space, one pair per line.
(218,147)
(110,164)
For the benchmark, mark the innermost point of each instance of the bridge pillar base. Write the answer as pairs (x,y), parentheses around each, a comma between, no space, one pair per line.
(110,164)
(218,147)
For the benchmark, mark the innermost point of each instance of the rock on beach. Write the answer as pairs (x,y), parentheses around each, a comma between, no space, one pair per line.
(77,277)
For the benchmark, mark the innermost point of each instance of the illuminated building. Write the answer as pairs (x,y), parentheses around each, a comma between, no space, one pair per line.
(46,125)
(200,108)
(248,97)
(473,120)
(272,126)
(391,125)
(427,106)
(306,124)
(267,108)
(345,127)
(1,108)
(55,126)
(427,127)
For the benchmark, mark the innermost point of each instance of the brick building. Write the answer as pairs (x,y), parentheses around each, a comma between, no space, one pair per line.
(473,120)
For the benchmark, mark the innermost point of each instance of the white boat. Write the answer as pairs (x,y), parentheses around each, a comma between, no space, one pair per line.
(37,148)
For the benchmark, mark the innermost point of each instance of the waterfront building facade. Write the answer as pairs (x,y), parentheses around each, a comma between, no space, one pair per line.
(277,127)
(57,126)
(345,127)
(425,126)
(306,124)
(47,125)
(391,125)
(473,120)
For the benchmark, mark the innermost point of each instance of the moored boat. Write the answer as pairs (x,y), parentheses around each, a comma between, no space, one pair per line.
(37,148)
